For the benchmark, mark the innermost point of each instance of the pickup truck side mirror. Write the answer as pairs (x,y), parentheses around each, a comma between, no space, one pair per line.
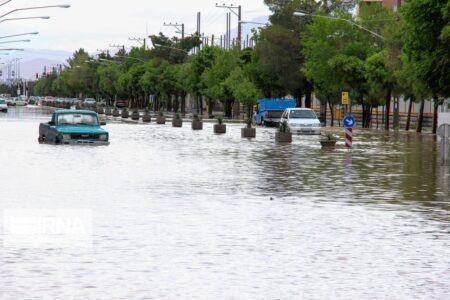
(51,123)
(102,123)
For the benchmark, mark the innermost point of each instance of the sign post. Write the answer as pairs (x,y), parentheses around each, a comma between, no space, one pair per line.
(345,101)
(349,123)
(444,134)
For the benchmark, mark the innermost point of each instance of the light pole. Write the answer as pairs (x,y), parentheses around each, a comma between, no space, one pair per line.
(26,18)
(161,46)
(126,57)
(17,35)
(251,41)
(303,14)
(6,2)
(34,8)
(16,41)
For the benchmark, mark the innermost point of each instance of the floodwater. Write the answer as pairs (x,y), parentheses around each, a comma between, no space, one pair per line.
(177,214)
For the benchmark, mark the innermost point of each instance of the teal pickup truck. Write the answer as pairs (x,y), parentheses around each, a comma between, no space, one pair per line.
(73,127)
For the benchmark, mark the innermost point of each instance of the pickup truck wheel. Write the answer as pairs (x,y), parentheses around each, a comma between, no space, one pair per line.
(41,139)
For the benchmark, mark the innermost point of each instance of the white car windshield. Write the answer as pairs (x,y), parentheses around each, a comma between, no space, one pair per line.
(2,101)
(302,114)
(77,119)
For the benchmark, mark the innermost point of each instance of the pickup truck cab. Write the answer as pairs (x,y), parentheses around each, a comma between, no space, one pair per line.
(270,110)
(302,120)
(69,127)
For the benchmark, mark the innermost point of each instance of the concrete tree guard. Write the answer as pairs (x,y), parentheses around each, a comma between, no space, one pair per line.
(125,113)
(135,115)
(100,111)
(146,118)
(161,120)
(177,122)
(248,133)
(283,137)
(116,113)
(220,128)
(197,125)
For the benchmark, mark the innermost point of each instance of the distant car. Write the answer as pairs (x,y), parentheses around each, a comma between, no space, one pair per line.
(90,101)
(302,120)
(73,127)
(3,105)
(121,103)
(17,102)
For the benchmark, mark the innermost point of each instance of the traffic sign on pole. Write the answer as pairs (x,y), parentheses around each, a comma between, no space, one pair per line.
(349,122)
(349,138)
(345,98)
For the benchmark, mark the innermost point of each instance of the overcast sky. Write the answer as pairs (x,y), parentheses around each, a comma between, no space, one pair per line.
(95,24)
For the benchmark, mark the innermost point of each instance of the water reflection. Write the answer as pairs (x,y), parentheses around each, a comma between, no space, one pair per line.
(183,214)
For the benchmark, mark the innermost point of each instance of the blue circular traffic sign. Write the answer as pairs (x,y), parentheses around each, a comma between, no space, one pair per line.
(349,122)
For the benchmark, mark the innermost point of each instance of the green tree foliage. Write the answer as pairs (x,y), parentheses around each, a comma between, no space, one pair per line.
(428,46)
(427,43)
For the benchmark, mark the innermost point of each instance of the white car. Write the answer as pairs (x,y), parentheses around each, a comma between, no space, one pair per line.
(3,105)
(302,120)
(17,102)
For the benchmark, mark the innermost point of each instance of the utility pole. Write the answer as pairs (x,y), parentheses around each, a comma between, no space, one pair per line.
(142,41)
(237,11)
(118,47)
(178,27)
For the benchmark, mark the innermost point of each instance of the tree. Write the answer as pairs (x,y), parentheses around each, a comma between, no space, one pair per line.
(243,89)
(279,53)
(200,62)
(214,77)
(428,47)
(108,75)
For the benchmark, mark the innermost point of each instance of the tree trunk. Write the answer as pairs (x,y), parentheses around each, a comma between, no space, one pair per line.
(435,114)
(308,98)
(378,119)
(183,104)
(298,99)
(408,120)
(176,104)
(366,115)
(201,105)
(331,112)
(228,109)
(420,120)
(388,110)
(210,107)
(323,112)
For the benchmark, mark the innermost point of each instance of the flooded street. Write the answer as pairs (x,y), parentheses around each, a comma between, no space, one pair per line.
(178,214)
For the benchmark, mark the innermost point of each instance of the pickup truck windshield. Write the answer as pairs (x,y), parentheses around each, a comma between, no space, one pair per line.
(2,101)
(302,114)
(77,119)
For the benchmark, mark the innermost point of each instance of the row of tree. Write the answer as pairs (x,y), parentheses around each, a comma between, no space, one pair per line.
(377,55)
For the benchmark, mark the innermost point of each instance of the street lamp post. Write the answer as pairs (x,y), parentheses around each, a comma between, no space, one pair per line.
(303,14)
(16,41)
(161,46)
(120,56)
(17,35)
(250,43)
(26,18)
(34,8)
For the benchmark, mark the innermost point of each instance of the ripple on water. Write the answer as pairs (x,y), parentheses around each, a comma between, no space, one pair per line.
(192,215)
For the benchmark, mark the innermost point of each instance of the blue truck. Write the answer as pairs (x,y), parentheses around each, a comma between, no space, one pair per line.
(269,111)
(70,127)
